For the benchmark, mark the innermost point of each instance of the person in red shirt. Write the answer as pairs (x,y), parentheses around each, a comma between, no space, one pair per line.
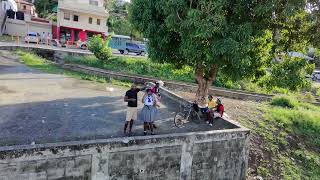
(218,113)
(156,89)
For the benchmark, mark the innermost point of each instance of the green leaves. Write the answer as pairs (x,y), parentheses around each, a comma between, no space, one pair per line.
(291,74)
(99,47)
(239,37)
(201,33)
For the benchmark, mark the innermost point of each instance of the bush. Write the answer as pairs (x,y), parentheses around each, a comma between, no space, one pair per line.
(291,74)
(284,101)
(100,48)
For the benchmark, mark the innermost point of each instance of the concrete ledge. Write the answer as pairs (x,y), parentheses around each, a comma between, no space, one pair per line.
(174,156)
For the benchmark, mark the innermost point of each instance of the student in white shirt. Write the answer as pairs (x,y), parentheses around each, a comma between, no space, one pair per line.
(149,111)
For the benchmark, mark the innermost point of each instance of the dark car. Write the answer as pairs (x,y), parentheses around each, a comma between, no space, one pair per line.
(134,48)
(316,75)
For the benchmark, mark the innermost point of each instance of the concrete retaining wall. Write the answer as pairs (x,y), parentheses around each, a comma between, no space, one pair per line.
(191,156)
(57,54)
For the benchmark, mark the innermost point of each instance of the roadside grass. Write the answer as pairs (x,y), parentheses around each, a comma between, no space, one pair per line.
(300,118)
(137,66)
(44,65)
(6,38)
(285,138)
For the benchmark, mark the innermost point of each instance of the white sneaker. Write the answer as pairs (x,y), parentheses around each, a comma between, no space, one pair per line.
(210,124)
(207,122)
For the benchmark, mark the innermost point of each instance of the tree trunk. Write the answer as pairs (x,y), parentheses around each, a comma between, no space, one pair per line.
(204,82)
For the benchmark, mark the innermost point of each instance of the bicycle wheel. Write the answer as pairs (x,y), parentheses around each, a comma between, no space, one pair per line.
(195,117)
(179,119)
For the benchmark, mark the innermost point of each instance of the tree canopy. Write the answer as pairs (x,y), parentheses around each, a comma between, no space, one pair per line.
(44,7)
(235,38)
(118,20)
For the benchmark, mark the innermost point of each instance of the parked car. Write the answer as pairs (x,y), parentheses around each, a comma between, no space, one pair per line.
(31,37)
(316,75)
(133,48)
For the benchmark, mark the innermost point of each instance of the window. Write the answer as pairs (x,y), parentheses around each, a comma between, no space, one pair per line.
(93,2)
(67,16)
(24,7)
(98,21)
(90,20)
(75,18)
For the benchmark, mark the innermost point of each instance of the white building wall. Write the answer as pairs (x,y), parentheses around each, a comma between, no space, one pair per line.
(84,11)
(21,28)
(83,21)
(9,4)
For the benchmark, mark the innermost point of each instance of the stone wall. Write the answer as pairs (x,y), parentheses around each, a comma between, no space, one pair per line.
(189,156)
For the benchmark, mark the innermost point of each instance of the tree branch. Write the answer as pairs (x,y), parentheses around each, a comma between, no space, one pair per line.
(179,16)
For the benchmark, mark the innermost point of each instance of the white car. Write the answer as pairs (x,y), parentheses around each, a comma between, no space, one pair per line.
(31,37)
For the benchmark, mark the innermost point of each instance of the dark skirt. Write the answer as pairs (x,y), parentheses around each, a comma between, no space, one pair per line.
(148,113)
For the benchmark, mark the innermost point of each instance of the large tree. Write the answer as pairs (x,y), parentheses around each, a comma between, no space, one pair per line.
(224,36)
(44,7)
(232,37)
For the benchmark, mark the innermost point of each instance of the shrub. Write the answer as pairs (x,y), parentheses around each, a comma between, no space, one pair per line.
(291,74)
(284,101)
(100,48)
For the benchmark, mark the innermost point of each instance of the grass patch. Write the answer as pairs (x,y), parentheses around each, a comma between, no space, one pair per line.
(138,66)
(285,142)
(6,38)
(296,117)
(42,64)
(284,101)
(290,129)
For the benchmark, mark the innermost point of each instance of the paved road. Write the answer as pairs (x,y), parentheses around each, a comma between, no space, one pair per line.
(115,52)
(39,107)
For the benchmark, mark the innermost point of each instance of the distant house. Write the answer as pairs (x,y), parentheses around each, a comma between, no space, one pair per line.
(9,4)
(26,7)
(80,19)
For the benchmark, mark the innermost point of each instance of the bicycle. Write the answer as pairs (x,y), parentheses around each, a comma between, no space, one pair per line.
(188,114)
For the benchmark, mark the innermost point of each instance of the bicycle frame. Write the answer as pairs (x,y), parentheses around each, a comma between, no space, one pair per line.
(187,111)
